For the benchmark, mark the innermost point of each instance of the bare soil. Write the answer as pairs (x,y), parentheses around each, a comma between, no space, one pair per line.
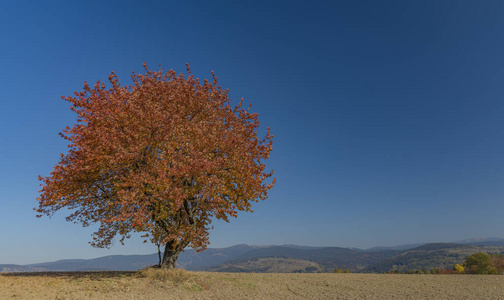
(206,285)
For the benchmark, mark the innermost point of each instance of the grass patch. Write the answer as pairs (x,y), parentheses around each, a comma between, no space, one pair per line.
(240,284)
(176,276)
(188,281)
(193,287)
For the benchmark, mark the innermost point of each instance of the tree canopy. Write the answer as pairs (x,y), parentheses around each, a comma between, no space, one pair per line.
(163,156)
(478,263)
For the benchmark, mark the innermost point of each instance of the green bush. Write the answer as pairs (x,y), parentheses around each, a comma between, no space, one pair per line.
(478,263)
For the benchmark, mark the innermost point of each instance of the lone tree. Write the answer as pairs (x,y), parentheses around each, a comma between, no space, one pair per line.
(163,157)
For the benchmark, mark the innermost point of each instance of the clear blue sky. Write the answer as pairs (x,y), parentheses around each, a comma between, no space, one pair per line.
(387,115)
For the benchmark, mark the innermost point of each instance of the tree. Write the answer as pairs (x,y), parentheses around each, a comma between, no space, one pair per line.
(163,157)
(478,263)
(497,262)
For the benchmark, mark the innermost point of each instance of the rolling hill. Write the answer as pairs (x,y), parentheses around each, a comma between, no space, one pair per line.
(286,258)
(328,258)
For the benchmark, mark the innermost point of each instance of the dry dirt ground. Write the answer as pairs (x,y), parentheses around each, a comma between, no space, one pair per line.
(205,285)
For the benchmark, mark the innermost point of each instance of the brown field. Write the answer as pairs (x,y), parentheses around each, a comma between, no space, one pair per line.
(156,284)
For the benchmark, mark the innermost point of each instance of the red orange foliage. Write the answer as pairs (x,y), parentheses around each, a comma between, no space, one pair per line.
(162,156)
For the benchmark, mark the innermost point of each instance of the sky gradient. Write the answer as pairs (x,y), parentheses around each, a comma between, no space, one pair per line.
(387,115)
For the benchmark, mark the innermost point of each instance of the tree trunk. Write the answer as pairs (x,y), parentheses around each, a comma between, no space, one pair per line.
(174,247)
(170,255)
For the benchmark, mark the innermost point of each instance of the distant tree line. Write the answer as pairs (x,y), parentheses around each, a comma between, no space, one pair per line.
(338,270)
(477,263)
(482,263)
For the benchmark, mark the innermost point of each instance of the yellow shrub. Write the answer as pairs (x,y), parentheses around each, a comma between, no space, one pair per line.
(459,269)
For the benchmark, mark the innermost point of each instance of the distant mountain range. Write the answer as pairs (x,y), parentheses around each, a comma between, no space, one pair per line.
(288,258)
